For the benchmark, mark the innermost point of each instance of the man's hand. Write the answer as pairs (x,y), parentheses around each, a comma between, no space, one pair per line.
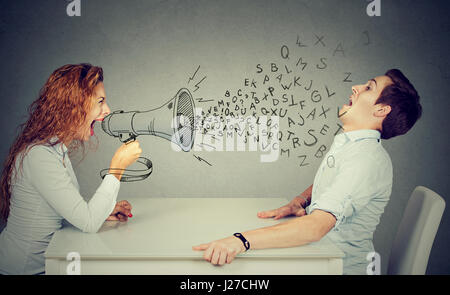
(221,251)
(121,212)
(295,207)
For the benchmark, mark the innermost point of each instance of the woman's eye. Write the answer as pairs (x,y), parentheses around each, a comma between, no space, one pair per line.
(367,87)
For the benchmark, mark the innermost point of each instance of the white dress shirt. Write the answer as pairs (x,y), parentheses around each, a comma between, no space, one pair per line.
(45,192)
(354,183)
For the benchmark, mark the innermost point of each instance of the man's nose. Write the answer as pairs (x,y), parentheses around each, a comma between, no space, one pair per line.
(354,90)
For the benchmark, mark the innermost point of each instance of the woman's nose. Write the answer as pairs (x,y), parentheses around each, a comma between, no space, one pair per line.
(106,110)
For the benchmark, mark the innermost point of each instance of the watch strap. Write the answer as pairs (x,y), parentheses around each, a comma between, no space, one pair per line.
(244,240)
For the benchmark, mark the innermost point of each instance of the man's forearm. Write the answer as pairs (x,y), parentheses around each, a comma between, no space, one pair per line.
(294,232)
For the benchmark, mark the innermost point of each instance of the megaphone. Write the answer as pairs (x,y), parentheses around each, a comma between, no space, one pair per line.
(173,121)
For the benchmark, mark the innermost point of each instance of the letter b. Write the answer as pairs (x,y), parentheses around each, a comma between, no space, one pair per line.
(319,153)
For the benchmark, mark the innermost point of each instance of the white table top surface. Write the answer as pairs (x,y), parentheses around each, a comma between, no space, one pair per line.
(169,227)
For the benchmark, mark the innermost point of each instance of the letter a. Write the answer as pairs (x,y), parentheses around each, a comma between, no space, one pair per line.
(374,267)
(74,8)
(374,8)
(73,267)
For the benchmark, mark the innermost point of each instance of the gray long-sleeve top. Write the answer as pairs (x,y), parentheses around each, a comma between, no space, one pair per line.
(43,193)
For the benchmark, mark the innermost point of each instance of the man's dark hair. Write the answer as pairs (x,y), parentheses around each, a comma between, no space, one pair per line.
(403,99)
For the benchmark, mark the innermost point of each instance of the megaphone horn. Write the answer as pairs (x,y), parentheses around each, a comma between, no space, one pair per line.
(173,121)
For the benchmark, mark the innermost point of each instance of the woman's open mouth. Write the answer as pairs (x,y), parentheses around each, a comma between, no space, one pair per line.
(92,125)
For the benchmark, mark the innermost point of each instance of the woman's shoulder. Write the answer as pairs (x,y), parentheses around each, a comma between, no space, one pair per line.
(41,152)
(32,157)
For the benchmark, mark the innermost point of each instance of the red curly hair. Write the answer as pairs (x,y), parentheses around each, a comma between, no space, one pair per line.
(61,108)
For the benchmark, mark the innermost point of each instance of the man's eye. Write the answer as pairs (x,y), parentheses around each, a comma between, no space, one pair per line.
(367,87)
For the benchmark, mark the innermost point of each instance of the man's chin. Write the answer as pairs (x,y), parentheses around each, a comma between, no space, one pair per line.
(343,111)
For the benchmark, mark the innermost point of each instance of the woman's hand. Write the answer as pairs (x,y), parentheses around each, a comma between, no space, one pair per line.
(125,155)
(221,251)
(121,212)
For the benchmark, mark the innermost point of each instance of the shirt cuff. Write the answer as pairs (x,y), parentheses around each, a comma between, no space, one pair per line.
(110,186)
(341,209)
(111,183)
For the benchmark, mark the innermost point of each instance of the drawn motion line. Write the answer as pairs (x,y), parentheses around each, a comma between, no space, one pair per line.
(196,85)
(201,159)
(192,78)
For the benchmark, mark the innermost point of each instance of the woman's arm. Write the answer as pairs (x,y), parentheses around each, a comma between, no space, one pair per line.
(47,174)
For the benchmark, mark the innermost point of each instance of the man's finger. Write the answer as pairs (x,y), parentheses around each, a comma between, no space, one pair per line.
(283,212)
(223,257)
(215,257)
(230,258)
(201,247)
(208,253)
(278,216)
(267,214)
(300,212)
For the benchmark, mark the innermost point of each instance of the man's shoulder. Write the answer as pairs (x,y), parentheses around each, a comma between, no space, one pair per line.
(367,150)
(375,157)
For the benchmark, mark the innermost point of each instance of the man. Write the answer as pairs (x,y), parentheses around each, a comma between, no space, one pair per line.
(352,185)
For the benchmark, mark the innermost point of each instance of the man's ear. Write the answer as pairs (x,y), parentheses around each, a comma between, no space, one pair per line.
(382,110)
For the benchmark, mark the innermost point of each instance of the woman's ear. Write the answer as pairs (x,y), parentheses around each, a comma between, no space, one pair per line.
(382,110)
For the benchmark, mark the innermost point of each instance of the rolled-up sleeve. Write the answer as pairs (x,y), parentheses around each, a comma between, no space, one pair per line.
(53,182)
(351,189)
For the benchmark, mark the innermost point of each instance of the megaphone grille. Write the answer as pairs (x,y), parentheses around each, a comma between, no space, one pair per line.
(185,111)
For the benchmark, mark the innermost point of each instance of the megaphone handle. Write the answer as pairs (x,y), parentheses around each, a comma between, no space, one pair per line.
(146,172)
(129,177)
(127,137)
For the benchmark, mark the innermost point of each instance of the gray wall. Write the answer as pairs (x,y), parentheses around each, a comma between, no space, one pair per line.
(150,49)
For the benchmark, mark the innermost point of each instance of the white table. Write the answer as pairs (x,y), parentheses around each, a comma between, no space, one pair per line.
(158,239)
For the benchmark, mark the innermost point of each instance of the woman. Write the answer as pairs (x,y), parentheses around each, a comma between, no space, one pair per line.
(38,186)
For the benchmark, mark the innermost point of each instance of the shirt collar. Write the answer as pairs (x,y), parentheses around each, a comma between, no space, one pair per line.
(60,148)
(357,135)
(362,134)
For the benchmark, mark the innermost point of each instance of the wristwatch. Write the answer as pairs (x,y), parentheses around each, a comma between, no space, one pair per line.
(244,240)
